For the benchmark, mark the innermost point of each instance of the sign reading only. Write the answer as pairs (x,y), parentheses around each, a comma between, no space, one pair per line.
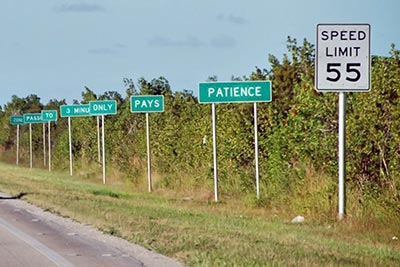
(147,103)
(15,120)
(49,115)
(33,118)
(343,58)
(103,107)
(74,110)
(239,92)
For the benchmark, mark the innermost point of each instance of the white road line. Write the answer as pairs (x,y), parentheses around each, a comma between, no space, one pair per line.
(41,248)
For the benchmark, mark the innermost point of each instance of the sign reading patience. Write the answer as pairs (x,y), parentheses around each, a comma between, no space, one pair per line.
(239,92)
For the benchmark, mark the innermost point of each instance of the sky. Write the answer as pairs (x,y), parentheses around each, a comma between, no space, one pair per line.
(54,48)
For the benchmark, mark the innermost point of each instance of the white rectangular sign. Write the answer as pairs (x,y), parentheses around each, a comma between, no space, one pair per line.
(343,58)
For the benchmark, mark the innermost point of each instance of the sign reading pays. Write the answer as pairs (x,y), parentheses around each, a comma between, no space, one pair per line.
(147,103)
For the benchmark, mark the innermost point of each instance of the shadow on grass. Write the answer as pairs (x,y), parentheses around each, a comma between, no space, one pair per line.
(19,196)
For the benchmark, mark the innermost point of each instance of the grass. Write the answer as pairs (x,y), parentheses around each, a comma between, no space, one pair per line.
(203,233)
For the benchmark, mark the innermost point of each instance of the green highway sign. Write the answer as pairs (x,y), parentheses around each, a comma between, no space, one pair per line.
(75,110)
(15,120)
(235,92)
(49,115)
(147,103)
(103,107)
(33,118)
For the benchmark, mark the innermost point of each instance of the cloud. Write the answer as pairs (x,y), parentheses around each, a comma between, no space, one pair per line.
(232,19)
(16,44)
(119,45)
(189,41)
(102,51)
(112,49)
(79,8)
(223,41)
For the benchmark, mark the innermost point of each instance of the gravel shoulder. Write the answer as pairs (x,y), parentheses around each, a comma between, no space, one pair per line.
(74,240)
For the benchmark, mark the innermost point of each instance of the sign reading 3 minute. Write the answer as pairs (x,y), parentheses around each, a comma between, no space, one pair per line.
(343,58)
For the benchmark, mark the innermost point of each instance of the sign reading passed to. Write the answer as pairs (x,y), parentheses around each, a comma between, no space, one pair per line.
(33,118)
(49,115)
(343,58)
(74,110)
(103,107)
(239,92)
(15,120)
(147,103)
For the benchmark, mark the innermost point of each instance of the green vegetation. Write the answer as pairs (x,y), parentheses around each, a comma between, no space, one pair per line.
(202,233)
(298,168)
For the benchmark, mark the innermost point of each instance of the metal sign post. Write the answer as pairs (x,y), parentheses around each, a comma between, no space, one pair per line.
(104,148)
(73,111)
(256,151)
(17,145)
(31,118)
(148,152)
(214,133)
(48,116)
(103,107)
(235,92)
(70,146)
(342,65)
(342,154)
(30,146)
(147,104)
(49,145)
(17,120)
(44,145)
(98,139)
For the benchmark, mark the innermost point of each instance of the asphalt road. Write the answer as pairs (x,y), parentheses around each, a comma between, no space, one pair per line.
(32,237)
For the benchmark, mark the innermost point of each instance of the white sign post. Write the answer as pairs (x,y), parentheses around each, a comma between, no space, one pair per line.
(147,104)
(44,144)
(30,146)
(73,111)
(215,163)
(235,92)
(17,160)
(48,116)
(31,118)
(342,65)
(103,107)
(17,120)
(98,139)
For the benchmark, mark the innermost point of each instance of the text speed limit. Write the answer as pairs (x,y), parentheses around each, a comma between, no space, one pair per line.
(343,57)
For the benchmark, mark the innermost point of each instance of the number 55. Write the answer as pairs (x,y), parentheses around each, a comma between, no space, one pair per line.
(350,68)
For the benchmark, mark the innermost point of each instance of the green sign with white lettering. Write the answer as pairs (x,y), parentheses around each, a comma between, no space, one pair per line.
(103,107)
(147,103)
(15,120)
(33,118)
(49,115)
(75,110)
(235,92)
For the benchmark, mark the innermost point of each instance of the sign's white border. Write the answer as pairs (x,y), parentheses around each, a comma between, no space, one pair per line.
(332,87)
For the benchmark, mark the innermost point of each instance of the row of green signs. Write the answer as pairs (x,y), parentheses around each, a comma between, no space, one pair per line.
(212,92)
(44,116)
(140,104)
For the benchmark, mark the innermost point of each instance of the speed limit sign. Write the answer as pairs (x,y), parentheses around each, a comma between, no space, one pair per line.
(343,58)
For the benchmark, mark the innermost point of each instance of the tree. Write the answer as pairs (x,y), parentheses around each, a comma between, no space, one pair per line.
(88,95)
